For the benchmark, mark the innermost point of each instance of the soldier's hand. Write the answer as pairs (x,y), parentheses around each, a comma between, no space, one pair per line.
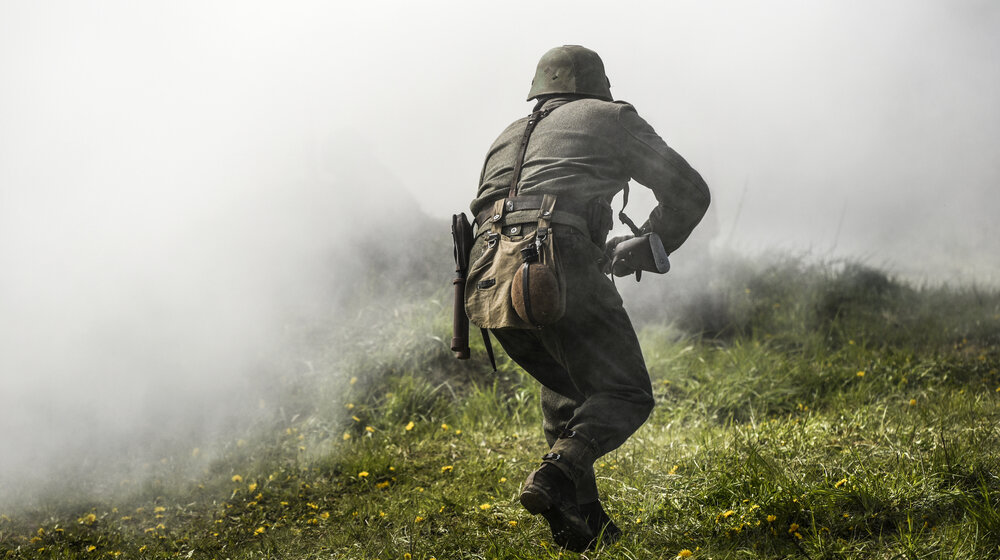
(609,250)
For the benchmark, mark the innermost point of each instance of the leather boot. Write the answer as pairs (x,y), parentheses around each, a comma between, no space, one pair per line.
(549,492)
(604,529)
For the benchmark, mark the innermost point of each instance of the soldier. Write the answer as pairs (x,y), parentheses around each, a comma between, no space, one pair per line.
(595,388)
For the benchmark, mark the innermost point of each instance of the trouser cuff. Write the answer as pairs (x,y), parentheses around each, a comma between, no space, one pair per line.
(574,454)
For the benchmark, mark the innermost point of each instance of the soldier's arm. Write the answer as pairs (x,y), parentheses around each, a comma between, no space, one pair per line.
(681,194)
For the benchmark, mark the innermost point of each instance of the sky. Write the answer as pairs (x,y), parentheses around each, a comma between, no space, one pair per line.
(172,173)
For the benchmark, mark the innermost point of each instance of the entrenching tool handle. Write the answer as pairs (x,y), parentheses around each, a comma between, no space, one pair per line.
(460,324)
(461,233)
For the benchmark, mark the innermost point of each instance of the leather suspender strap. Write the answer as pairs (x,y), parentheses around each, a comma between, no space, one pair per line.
(519,162)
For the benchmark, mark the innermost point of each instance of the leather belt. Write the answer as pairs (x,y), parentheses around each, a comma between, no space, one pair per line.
(565,212)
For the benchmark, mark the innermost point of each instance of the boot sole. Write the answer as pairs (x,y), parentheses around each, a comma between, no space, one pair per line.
(535,501)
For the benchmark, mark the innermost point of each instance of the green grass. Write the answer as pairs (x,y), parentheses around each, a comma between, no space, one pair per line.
(804,411)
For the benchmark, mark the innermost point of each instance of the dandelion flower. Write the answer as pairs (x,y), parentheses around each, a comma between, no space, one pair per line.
(91,548)
(252,486)
(347,436)
(324,515)
(673,470)
(444,427)
(503,479)
(312,505)
(159,509)
(418,519)
(793,527)
(727,513)
(237,478)
(88,519)
(407,556)
(355,418)
(409,426)
(512,523)
(363,474)
(258,530)
(446,468)
(771,518)
(913,402)
(485,507)
(369,429)
(860,374)
(349,406)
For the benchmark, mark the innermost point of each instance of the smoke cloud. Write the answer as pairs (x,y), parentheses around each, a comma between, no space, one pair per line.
(177,181)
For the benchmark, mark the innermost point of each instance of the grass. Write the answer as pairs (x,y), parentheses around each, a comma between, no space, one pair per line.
(804,411)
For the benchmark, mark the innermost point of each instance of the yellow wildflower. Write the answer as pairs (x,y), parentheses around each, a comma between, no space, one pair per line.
(860,374)
(237,478)
(312,505)
(771,518)
(407,556)
(252,486)
(418,519)
(446,468)
(355,418)
(673,470)
(485,507)
(684,553)
(727,513)
(409,426)
(88,519)
(363,474)
(913,402)
(444,426)
(503,479)
(350,406)
(369,429)
(324,515)
(347,436)
(512,523)
(793,527)
(382,485)
(91,548)
(258,530)
(840,483)
(159,509)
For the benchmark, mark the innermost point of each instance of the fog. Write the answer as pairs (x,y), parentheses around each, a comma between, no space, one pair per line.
(178,180)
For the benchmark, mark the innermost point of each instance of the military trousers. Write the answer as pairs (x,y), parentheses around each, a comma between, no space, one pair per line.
(595,387)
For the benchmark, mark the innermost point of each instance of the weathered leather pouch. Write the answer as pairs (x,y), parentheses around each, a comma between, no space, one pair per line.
(518,281)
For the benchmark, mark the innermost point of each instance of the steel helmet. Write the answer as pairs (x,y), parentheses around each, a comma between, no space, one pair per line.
(571,69)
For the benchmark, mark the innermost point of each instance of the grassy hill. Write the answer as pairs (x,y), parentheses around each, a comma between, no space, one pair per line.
(804,411)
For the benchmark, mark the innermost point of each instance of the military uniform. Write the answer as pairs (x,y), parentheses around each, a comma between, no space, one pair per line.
(596,390)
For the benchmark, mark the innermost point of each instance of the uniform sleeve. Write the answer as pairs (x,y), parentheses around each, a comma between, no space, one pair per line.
(681,194)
